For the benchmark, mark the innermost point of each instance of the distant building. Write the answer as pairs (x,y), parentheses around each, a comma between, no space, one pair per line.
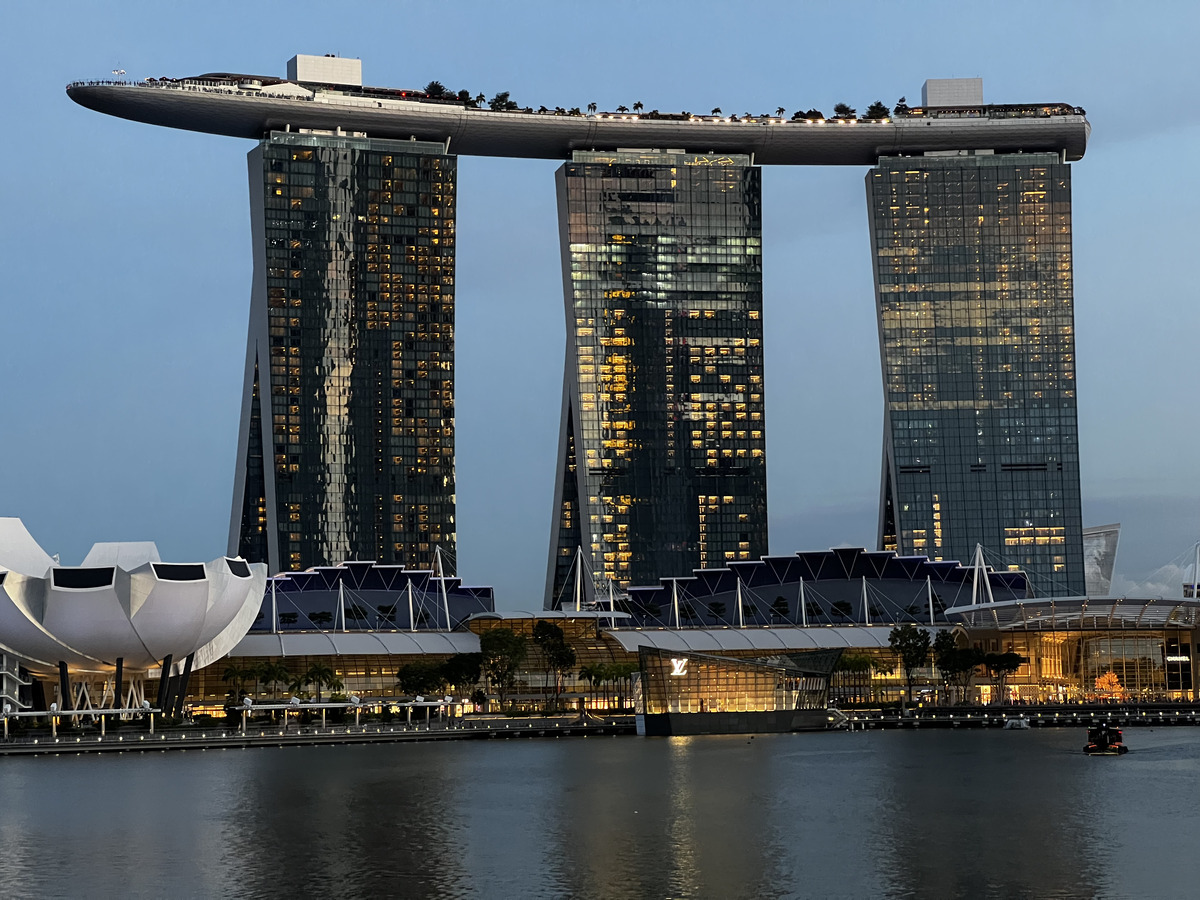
(973,275)
(346,445)
(662,454)
(1100,557)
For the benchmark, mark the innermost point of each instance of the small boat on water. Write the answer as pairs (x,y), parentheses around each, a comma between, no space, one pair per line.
(1016,724)
(1105,740)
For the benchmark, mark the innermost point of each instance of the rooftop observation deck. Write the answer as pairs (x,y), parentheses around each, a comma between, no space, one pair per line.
(252,106)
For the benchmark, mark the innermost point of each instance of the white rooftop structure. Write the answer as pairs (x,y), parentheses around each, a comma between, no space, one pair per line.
(952,92)
(327,69)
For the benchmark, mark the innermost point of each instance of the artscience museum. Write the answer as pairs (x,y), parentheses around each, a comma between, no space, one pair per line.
(91,635)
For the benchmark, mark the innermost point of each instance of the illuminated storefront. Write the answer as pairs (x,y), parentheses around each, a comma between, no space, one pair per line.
(698,693)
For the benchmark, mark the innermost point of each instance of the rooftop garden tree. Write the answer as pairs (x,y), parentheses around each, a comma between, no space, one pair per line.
(843,111)
(877,111)
(435,89)
(502,102)
(637,106)
(779,608)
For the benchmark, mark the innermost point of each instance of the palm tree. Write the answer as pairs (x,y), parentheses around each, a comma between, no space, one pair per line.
(591,107)
(274,673)
(637,106)
(716,111)
(622,109)
(320,676)
(480,99)
(779,111)
(236,676)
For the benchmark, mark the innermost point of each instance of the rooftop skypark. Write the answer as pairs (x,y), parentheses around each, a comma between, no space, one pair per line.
(312,98)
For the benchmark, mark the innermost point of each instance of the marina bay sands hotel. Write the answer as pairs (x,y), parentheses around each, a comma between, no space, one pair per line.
(346,444)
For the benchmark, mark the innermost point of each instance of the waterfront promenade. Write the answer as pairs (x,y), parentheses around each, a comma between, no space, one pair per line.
(1039,716)
(134,738)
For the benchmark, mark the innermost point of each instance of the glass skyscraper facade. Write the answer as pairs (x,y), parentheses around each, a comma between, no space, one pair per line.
(346,447)
(662,460)
(973,279)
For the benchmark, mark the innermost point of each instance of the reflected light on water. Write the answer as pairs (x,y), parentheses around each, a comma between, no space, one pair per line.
(879,814)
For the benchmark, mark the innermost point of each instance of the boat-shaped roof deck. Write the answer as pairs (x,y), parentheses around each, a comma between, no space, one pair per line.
(251,106)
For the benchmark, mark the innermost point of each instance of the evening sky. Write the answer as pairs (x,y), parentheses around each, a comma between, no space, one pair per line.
(126,252)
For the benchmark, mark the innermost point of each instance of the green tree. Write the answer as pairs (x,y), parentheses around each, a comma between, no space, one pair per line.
(503,651)
(288,618)
(462,670)
(843,608)
(464,96)
(779,111)
(911,645)
(557,653)
(716,111)
(435,89)
(500,102)
(814,114)
(877,110)
(1000,666)
(591,107)
(638,107)
(622,109)
(957,664)
(717,610)
(420,679)
(324,617)
(843,111)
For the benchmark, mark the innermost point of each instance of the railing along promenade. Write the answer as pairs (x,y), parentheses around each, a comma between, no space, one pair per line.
(143,734)
(1073,715)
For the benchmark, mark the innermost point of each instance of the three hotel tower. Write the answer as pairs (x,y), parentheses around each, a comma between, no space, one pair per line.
(346,447)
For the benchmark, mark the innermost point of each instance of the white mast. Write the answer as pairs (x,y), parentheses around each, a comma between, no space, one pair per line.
(274,610)
(865,604)
(1195,574)
(980,568)
(803,605)
(675,600)
(437,557)
(740,618)
(929,595)
(579,579)
(412,623)
(341,603)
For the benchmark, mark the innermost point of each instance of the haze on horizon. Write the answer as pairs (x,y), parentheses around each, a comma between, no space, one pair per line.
(128,256)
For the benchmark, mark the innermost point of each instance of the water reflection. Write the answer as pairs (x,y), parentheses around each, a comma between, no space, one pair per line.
(881,814)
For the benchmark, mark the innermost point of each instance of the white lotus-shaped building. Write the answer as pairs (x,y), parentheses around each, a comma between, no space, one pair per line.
(122,603)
